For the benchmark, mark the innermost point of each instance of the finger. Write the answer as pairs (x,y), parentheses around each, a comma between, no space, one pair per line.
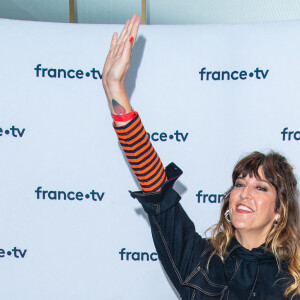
(126,53)
(132,20)
(132,30)
(112,46)
(120,39)
(124,37)
(113,41)
(135,28)
(124,31)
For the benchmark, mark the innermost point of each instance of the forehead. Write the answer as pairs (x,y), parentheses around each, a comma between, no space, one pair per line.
(255,174)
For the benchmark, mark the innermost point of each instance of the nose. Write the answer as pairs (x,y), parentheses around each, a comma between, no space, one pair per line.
(246,192)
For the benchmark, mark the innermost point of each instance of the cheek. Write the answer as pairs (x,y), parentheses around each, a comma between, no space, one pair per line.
(266,206)
(233,199)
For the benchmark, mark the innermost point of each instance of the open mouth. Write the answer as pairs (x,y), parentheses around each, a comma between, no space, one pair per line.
(243,209)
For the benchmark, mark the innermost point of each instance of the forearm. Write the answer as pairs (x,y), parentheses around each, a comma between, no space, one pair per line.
(118,100)
(135,142)
(141,155)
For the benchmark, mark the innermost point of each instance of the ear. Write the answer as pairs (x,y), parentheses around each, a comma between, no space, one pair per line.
(277,217)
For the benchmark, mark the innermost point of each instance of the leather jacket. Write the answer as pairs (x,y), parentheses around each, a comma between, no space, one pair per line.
(184,254)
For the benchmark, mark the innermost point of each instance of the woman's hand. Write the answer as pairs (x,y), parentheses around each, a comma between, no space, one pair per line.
(117,64)
(118,59)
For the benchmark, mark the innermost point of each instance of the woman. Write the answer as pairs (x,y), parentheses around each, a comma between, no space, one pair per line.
(254,251)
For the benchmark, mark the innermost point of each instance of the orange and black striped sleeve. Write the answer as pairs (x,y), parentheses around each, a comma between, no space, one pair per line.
(141,155)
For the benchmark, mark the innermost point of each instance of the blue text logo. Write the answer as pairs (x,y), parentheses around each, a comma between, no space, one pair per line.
(288,135)
(14,252)
(13,131)
(163,136)
(208,198)
(63,73)
(232,75)
(138,256)
(70,195)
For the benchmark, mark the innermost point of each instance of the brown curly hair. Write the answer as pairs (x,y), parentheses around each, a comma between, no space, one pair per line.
(284,237)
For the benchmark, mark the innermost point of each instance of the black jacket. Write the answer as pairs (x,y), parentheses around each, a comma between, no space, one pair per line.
(184,254)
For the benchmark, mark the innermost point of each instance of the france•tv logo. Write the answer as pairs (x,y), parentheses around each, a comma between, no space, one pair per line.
(138,256)
(14,252)
(63,73)
(67,195)
(208,198)
(257,73)
(13,131)
(163,136)
(288,135)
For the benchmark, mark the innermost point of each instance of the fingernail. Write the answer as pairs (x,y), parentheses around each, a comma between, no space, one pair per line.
(131,39)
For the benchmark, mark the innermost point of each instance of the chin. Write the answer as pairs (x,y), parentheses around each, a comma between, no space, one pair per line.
(238,225)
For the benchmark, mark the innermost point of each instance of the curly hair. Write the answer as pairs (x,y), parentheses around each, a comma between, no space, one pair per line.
(283,239)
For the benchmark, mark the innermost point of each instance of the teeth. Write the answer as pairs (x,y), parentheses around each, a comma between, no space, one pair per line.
(242,207)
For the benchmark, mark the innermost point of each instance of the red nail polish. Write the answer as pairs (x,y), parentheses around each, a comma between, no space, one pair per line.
(131,39)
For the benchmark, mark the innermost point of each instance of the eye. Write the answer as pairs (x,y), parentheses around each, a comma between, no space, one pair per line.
(238,184)
(262,188)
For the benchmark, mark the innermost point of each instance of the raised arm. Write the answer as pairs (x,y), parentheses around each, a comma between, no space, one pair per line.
(178,246)
(116,67)
(137,147)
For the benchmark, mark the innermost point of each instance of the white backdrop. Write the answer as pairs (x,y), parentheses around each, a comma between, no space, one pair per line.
(56,135)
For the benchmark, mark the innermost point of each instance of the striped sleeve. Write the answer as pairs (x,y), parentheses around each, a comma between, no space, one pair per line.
(141,155)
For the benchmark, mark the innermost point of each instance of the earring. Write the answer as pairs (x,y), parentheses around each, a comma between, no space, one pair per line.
(227,216)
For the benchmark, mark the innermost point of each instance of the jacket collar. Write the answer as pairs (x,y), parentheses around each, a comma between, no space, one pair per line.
(260,253)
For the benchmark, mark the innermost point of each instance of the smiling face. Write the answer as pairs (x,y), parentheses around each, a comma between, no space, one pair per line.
(252,205)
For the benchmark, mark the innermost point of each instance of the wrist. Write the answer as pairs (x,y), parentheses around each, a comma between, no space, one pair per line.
(124,117)
(118,102)
(128,118)
(115,87)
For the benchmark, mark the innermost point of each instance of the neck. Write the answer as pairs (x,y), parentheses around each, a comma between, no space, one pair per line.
(250,240)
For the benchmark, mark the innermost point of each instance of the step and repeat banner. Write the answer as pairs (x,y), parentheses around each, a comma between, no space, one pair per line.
(207,95)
